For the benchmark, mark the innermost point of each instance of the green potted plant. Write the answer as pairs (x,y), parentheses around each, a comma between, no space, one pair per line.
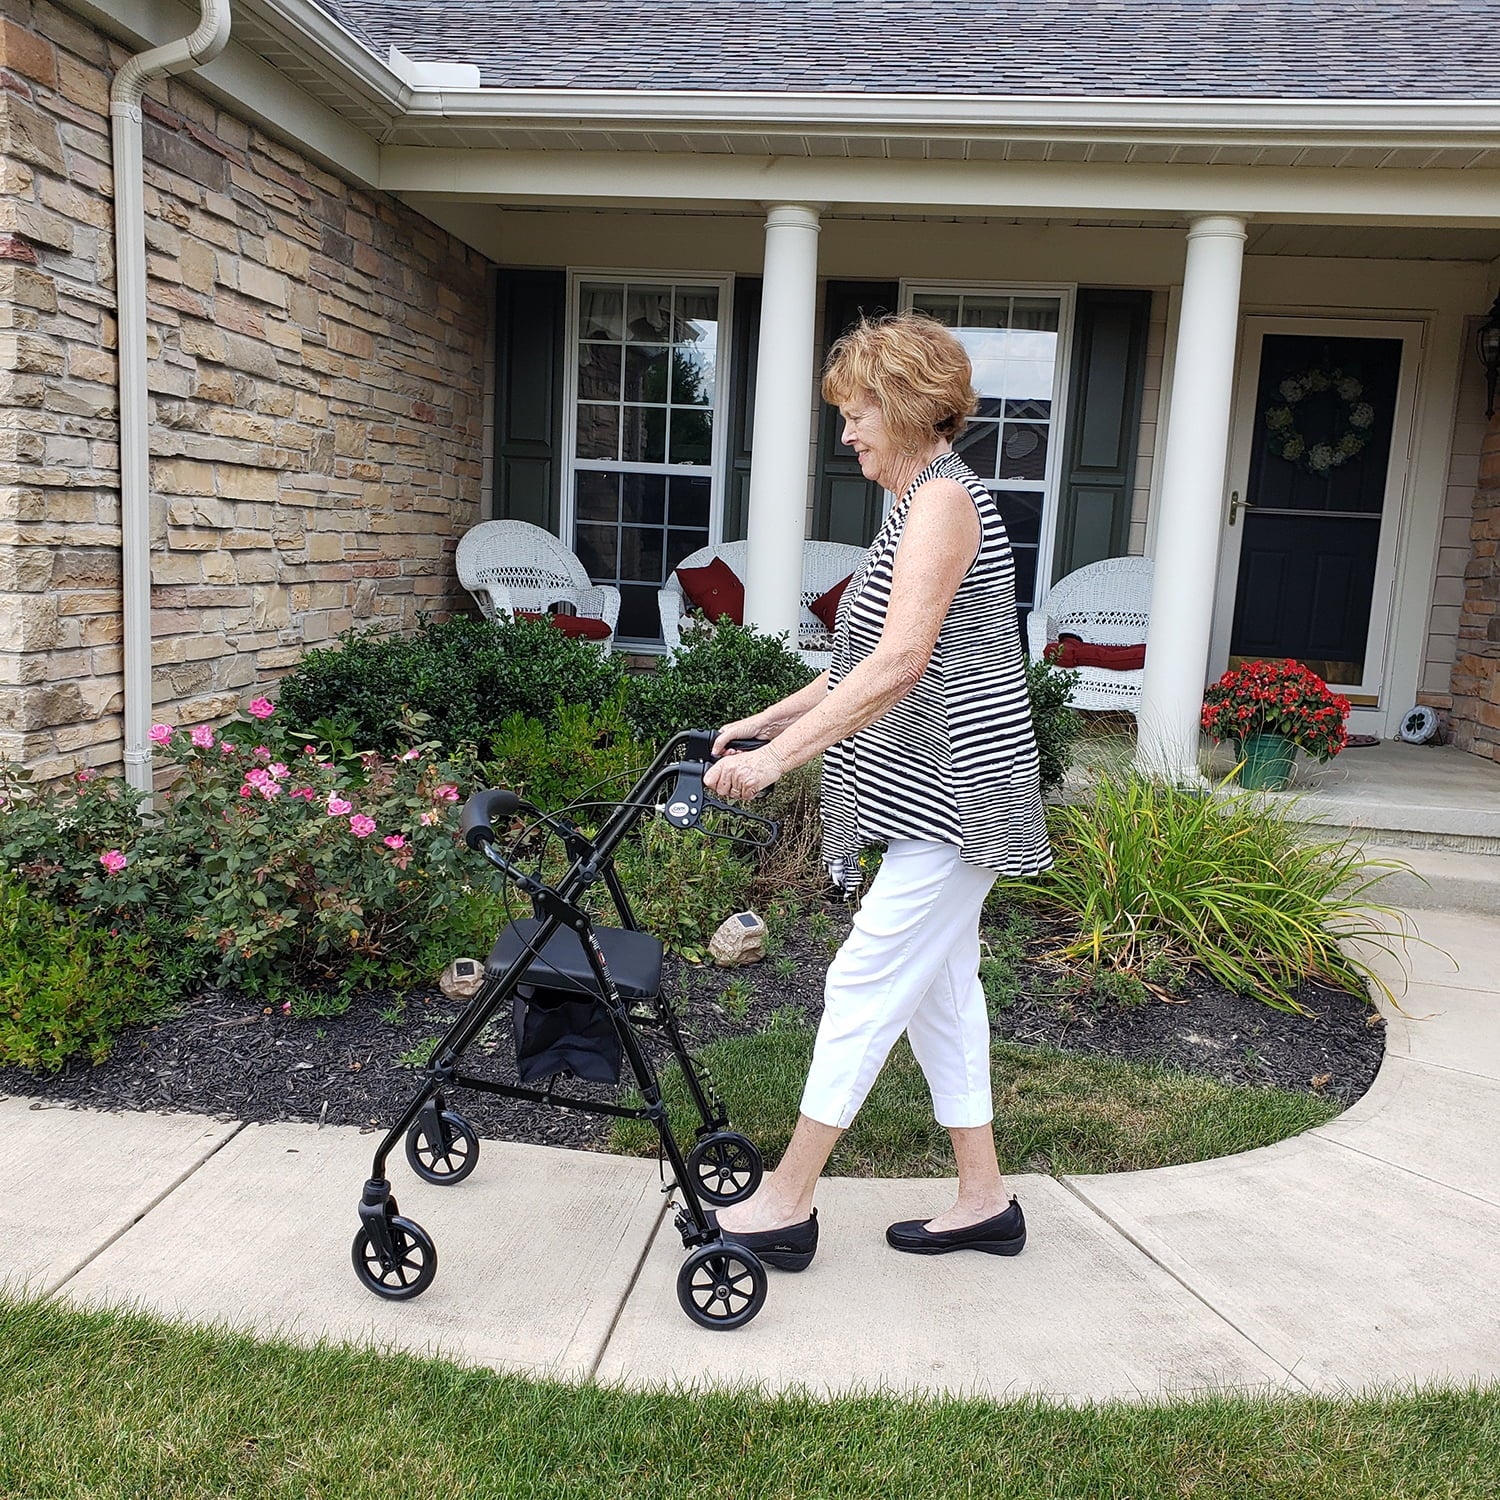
(1272,709)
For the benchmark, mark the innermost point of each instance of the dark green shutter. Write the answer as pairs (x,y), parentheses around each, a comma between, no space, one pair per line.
(532,316)
(1104,418)
(847,507)
(744,347)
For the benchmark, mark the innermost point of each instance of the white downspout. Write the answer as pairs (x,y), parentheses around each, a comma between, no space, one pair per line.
(181,56)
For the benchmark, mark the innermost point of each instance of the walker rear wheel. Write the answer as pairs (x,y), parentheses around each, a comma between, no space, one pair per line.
(722,1285)
(442,1147)
(726,1168)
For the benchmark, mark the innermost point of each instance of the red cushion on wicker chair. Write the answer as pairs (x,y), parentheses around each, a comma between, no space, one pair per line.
(715,590)
(1074,651)
(826,606)
(576,627)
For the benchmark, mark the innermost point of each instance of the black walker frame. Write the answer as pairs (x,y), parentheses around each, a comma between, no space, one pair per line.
(721,1283)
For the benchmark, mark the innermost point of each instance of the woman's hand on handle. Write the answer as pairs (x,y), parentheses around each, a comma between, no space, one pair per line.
(741,774)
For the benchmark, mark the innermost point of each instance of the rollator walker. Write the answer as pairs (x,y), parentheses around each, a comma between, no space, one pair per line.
(578,997)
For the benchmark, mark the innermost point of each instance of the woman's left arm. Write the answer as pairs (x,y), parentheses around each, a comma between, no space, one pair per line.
(938,546)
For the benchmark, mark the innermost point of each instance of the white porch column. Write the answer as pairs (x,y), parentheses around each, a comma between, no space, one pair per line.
(1192,500)
(781,435)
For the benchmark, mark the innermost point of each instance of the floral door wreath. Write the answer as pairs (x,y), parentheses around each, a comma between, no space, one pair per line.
(1357,417)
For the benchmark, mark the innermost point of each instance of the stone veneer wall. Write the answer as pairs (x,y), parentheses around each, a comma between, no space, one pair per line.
(316,378)
(1475,715)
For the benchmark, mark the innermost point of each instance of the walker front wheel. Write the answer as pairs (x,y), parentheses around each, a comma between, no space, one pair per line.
(722,1285)
(408,1272)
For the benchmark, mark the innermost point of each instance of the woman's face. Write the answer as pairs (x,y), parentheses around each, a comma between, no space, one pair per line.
(865,432)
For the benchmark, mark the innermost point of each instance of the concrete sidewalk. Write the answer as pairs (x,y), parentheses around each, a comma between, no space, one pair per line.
(1364,1252)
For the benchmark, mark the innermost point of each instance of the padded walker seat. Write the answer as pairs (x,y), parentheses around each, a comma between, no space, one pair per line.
(634,960)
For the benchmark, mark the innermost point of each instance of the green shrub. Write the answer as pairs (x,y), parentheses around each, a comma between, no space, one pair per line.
(1057,725)
(585,755)
(465,676)
(1156,874)
(713,678)
(68,984)
(681,885)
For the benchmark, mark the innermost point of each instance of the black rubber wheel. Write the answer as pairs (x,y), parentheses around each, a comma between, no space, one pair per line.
(447,1160)
(726,1168)
(722,1285)
(413,1269)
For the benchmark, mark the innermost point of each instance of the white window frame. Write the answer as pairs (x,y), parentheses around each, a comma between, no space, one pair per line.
(718,456)
(1051,485)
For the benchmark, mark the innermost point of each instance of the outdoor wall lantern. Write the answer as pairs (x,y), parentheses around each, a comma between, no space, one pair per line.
(1489,354)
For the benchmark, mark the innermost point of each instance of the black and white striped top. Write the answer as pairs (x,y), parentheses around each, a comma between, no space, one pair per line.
(955,760)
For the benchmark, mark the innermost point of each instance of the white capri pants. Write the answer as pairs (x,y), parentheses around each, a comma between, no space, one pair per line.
(911,963)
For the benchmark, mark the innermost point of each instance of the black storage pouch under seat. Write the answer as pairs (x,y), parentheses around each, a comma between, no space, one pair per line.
(633,959)
(558,1031)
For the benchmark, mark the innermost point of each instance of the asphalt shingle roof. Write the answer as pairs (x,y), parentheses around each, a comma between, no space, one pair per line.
(1246,49)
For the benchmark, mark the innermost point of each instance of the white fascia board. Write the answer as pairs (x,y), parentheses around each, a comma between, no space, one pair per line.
(244,84)
(1271,121)
(1304,195)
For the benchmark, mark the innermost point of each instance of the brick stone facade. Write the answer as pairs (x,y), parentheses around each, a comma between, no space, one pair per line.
(1475,715)
(316,378)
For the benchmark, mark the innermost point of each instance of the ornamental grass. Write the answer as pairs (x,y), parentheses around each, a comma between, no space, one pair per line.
(1150,871)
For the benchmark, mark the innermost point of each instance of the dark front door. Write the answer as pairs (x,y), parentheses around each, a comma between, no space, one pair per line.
(1324,414)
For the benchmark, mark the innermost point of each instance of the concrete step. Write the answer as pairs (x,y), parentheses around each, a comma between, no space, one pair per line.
(1437,879)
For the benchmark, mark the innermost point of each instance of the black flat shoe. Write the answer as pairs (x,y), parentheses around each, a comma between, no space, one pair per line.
(788,1249)
(1005,1234)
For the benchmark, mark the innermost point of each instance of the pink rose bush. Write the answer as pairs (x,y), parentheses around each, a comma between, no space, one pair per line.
(346,872)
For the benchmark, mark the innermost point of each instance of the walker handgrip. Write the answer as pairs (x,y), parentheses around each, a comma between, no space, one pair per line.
(474,827)
(745,745)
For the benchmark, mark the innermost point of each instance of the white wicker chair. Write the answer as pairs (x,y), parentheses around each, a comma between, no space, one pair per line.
(513,565)
(1108,604)
(823,565)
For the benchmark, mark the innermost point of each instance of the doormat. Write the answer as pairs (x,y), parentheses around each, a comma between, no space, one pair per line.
(1361,741)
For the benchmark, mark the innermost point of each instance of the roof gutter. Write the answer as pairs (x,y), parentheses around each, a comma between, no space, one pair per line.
(201,46)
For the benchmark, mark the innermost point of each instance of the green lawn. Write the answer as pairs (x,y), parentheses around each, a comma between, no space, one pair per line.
(114,1406)
(1054,1111)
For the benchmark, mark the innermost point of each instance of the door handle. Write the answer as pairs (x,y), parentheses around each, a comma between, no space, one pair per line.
(1234,506)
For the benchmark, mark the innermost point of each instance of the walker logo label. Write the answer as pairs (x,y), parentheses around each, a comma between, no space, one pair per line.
(678,809)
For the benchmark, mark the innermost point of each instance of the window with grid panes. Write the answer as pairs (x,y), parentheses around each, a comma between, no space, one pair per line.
(1013,345)
(645,403)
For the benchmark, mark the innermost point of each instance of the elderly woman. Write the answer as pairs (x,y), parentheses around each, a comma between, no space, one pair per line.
(924,724)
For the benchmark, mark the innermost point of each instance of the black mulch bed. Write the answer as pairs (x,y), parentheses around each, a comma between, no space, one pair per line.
(229,1057)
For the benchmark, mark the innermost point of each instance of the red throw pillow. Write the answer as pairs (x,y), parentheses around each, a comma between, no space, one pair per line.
(715,590)
(826,606)
(576,627)
(1074,651)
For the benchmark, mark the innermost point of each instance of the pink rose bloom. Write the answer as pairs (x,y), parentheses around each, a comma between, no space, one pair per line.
(361,826)
(225,748)
(203,736)
(86,774)
(261,753)
(428,819)
(447,794)
(278,770)
(160,734)
(113,861)
(306,793)
(262,708)
(269,789)
(257,775)
(412,755)
(308,750)
(337,807)
(246,790)
(394,841)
